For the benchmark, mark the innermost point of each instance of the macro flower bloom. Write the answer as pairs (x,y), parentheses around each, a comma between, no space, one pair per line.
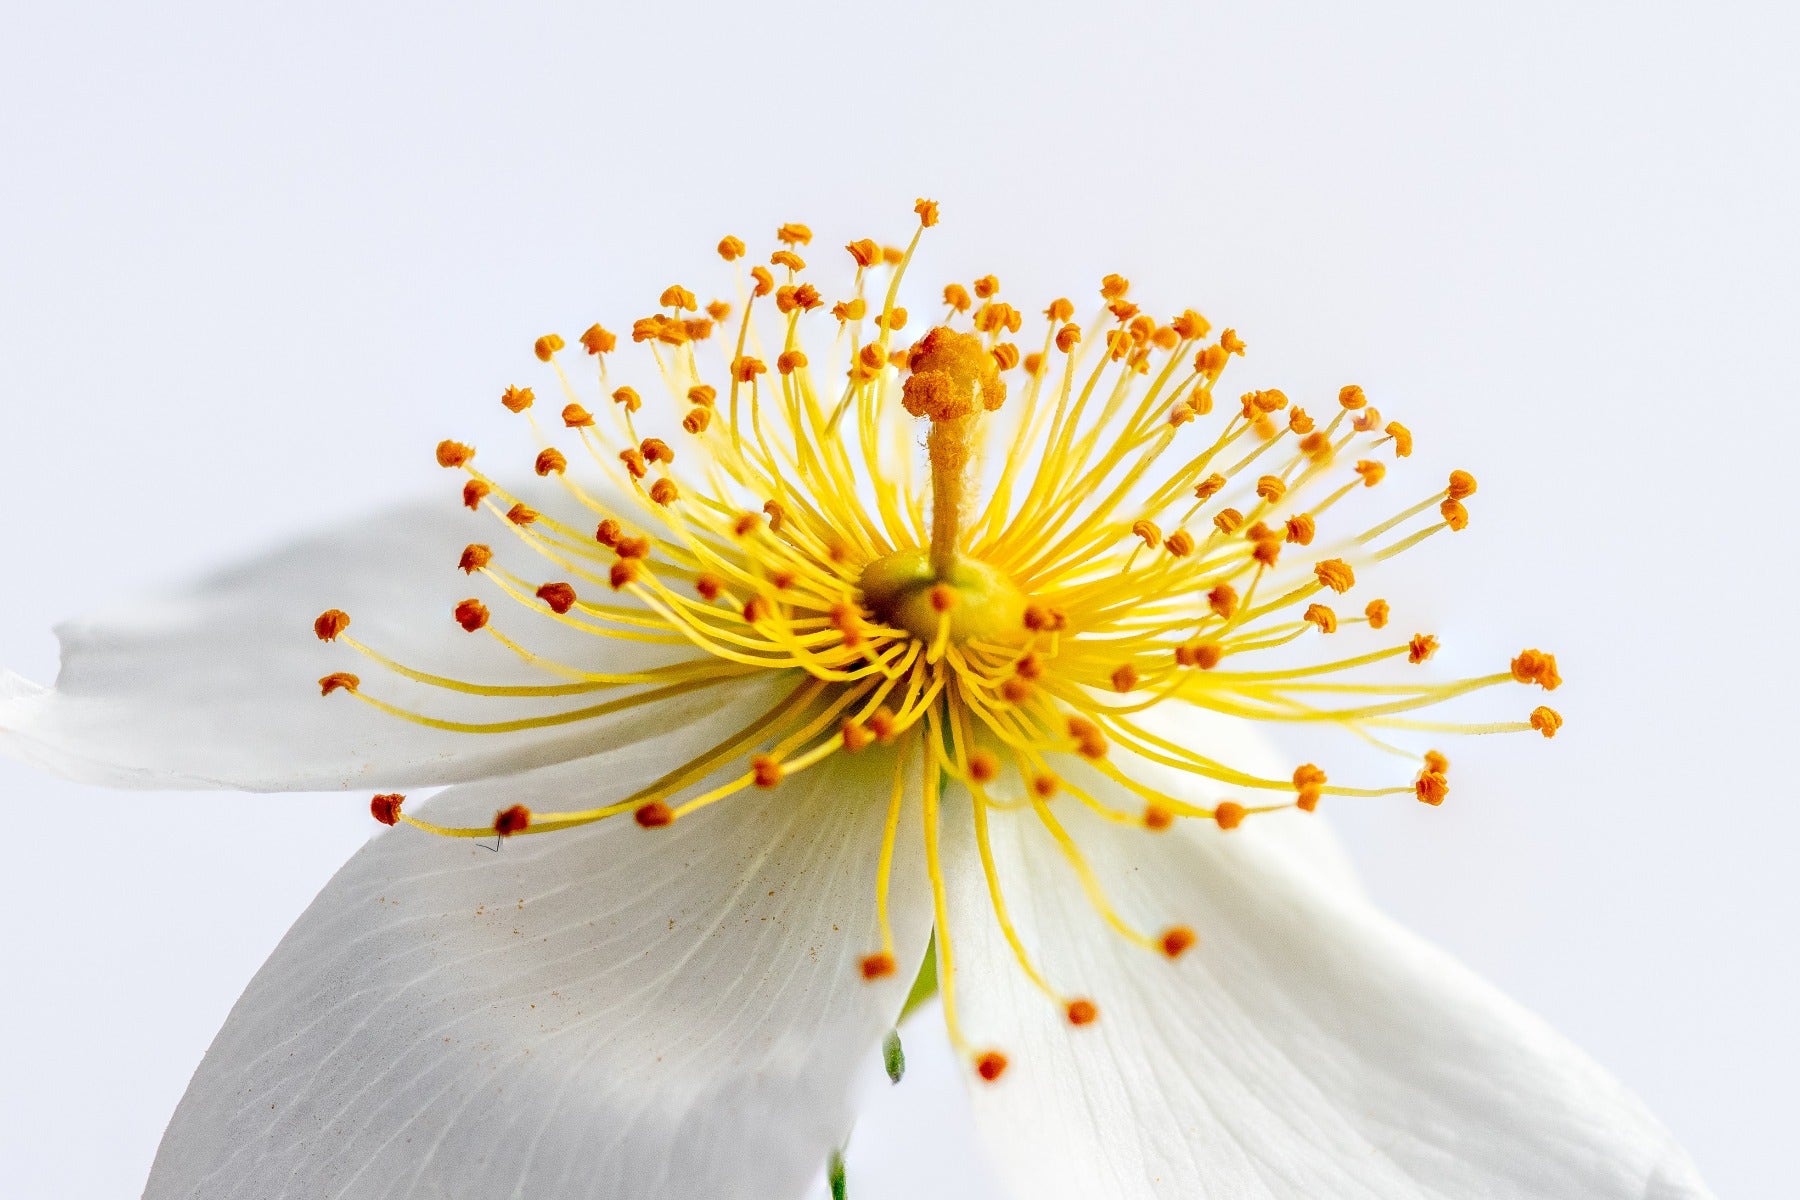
(741,710)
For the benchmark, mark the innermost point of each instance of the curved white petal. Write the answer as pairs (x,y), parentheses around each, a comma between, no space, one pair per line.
(1307,1047)
(602,1012)
(217,685)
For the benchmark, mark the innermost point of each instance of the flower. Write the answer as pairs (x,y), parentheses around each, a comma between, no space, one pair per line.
(740,711)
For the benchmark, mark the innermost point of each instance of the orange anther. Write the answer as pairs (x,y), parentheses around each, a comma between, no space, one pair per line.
(866,252)
(1229,814)
(730,248)
(1300,529)
(633,458)
(1422,647)
(1462,485)
(1209,487)
(1045,786)
(1371,472)
(1351,396)
(878,966)
(1205,655)
(1082,1012)
(942,597)
(624,573)
(990,1064)
(1124,678)
(386,807)
(756,609)
(1177,940)
(547,346)
(1190,325)
(474,492)
(1403,442)
(1299,422)
(928,212)
(576,417)
(629,398)
(609,532)
(517,399)
(1309,782)
(1435,761)
(1210,361)
(1067,337)
(509,821)
(559,596)
(471,614)
(1534,666)
(709,587)
(764,281)
(788,259)
(884,724)
(790,361)
(1335,574)
(453,454)
(1431,787)
(1180,544)
(1090,743)
(793,233)
(855,736)
(718,310)
(984,767)
(330,623)
(1223,600)
(1546,720)
(986,287)
(1158,817)
(1029,666)
(654,815)
(1114,287)
(1147,530)
(1366,420)
(336,680)
(1231,343)
(1271,488)
(550,459)
(597,340)
(1377,612)
(850,310)
(521,514)
(664,492)
(1320,615)
(1006,356)
(1455,515)
(1316,446)
(744,369)
(1040,619)
(474,557)
(1015,690)
(765,770)
(632,547)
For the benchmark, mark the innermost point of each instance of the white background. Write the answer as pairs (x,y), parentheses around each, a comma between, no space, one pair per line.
(255,261)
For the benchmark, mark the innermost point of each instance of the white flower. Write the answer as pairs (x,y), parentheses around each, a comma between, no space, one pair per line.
(739,720)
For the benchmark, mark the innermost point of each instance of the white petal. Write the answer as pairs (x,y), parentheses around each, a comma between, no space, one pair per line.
(217,685)
(1306,1047)
(602,1012)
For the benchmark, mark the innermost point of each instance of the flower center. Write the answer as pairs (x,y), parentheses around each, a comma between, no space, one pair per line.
(972,600)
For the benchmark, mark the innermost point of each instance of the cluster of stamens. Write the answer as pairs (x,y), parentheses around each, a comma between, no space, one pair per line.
(1130,546)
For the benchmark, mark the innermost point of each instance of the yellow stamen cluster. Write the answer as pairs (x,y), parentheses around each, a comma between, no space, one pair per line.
(1003,623)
